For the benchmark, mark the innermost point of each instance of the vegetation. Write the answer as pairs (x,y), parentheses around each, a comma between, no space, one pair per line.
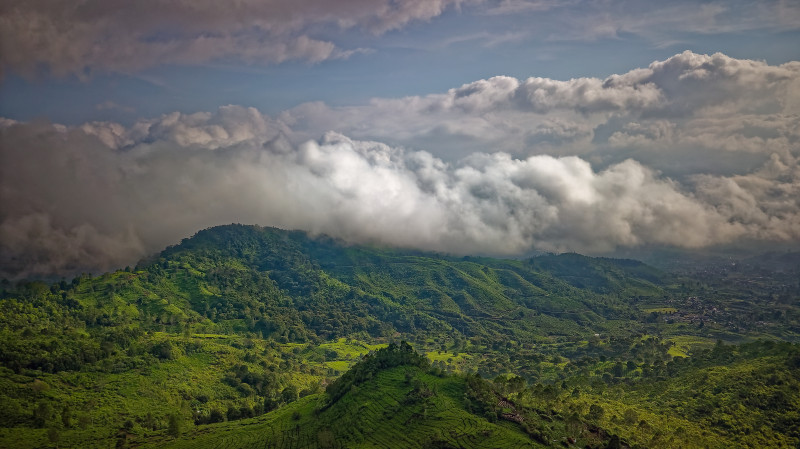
(394,406)
(243,333)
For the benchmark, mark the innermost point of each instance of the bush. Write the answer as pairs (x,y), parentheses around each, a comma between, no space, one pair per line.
(215,416)
(164,351)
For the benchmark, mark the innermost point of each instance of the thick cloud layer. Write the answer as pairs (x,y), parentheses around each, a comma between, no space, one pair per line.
(692,151)
(100,196)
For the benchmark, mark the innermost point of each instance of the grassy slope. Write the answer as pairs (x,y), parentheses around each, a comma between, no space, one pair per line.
(380,413)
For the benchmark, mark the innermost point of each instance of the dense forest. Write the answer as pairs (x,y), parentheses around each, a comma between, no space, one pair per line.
(268,337)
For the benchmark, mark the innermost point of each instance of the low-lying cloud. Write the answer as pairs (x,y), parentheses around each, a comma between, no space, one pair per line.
(100,196)
(692,151)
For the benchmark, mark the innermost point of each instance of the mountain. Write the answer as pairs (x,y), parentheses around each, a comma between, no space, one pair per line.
(410,290)
(236,328)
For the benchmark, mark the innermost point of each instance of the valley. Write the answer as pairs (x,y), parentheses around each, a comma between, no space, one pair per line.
(243,336)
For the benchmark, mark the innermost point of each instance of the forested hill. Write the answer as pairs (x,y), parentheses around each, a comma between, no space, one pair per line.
(238,321)
(295,287)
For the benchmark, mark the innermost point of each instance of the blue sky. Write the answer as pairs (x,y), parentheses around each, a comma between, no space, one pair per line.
(493,127)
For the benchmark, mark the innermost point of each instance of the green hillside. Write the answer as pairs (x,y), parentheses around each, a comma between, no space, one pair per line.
(380,403)
(726,398)
(238,327)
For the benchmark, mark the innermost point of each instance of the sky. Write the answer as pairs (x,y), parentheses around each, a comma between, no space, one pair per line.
(497,127)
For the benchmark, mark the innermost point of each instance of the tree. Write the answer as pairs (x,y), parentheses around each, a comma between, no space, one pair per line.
(164,350)
(573,425)
(233,413)
(215,416)
(618,370)
(614,443)
(66,417)
(289,394)
(53,435)
(41,414)
(595,413)
(630,417)
(174,427)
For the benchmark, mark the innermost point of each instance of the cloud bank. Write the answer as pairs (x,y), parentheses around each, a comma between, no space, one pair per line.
(689,103)
(692,151)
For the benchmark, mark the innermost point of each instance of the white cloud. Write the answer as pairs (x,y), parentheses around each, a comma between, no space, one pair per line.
(766,202)
(670,154)
(100,195)
(687,102)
